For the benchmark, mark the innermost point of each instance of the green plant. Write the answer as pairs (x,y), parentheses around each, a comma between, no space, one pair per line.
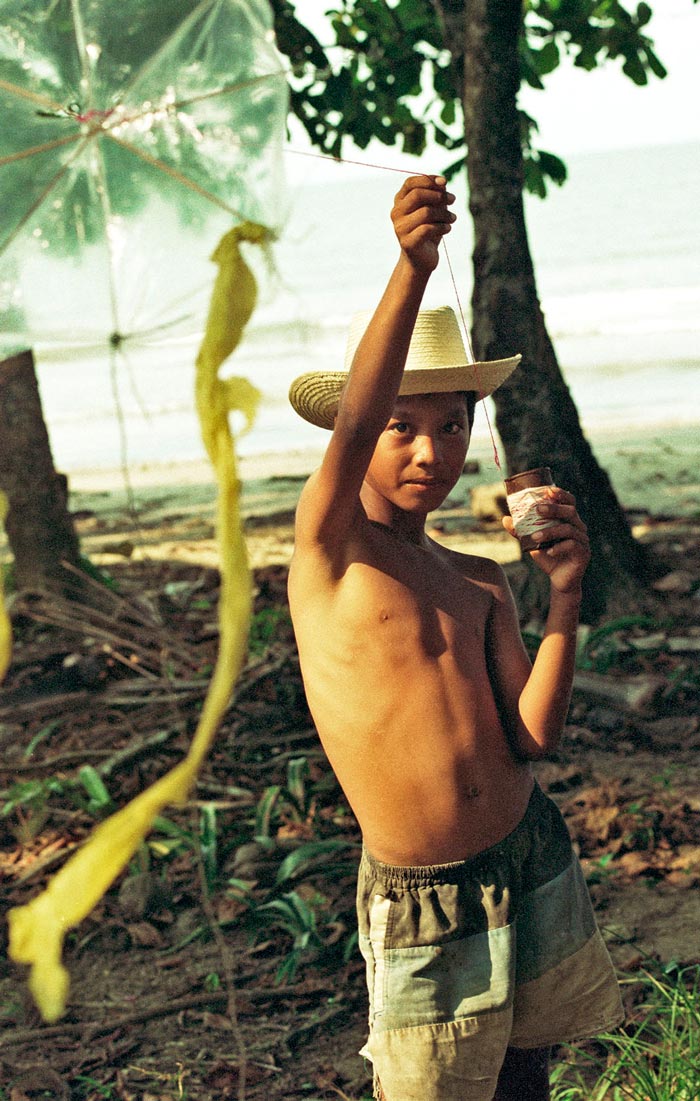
(311,857)
(264,626)
(209,843)
(295,916)
(40,736)
(654,1057)
(99,802)
(28,801)
(599,870)
(685,678)
(169,839)
(89,1087)
(292,801)
(212,982)
(599,649)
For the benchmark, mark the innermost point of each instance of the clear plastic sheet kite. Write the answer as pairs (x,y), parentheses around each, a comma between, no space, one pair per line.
(209,83)
(131,139)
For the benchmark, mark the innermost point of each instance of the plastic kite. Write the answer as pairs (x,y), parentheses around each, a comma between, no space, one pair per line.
(130,142)
(136,125)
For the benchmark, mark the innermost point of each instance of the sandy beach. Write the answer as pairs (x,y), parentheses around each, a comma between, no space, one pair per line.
(167,510)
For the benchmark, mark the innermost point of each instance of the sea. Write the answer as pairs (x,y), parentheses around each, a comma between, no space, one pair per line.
(617,261)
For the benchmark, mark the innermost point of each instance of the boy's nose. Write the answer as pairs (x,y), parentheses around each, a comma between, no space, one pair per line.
(426,452)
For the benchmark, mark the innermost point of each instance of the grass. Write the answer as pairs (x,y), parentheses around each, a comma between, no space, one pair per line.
(654,1057)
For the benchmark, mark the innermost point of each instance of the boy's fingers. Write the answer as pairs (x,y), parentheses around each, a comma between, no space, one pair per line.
(422,180)
(421,190)
(556,510)
(422,212)
(563,536)
(425,225)
(508,524)
(406,221)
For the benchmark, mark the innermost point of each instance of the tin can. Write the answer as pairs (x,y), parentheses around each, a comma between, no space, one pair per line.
(524,492)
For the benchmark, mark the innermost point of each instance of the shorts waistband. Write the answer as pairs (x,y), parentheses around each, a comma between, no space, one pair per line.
(424,874)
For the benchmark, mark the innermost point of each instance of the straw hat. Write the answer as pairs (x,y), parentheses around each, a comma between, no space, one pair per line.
(437,362)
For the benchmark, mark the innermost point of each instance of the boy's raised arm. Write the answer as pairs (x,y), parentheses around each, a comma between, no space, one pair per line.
(331,500)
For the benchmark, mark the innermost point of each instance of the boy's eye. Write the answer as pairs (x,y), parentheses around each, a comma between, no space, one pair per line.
(399,426)
(453,428)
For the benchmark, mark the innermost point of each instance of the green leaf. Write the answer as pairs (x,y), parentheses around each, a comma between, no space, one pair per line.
(45,732)
(263,812)
(547,59)
(553,167)
(658,69)
(300,860)
(634,69)
(448,113)
(208,841)
(99,797)
(297,775)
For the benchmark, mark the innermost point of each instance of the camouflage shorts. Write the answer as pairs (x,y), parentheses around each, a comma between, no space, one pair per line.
(465,959)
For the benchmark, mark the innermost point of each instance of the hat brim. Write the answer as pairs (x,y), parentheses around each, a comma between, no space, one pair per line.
(316,394)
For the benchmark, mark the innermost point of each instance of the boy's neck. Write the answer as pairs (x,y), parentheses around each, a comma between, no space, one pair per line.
(417,537)
(407,526)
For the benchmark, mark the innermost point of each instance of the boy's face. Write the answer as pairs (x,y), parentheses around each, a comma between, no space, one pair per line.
(420,454)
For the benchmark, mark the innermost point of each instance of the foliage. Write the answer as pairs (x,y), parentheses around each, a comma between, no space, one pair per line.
(599,649)
(654,1057)
(390,74)
(28,800)
(264,628)
(297,917)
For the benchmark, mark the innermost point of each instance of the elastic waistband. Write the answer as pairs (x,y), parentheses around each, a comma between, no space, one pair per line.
(425,874)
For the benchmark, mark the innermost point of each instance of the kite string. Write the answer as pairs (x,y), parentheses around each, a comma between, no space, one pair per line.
(465,328)
(474,364)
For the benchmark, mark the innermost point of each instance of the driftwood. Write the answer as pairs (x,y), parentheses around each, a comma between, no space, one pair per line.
(637,694)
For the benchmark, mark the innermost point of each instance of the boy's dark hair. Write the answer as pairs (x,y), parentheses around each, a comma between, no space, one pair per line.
(470,398)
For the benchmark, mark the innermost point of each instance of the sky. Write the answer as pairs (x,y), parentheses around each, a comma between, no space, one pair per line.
(580,112)
(603,109)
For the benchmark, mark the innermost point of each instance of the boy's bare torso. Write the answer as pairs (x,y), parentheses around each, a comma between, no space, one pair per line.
(394,653)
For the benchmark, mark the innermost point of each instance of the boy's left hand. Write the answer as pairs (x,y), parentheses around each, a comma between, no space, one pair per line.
(565,562)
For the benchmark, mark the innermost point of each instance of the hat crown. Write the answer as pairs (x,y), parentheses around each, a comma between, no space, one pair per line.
(437,362)
(436,341)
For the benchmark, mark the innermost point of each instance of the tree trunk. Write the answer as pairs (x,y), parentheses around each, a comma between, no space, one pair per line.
(535,415)
(39,527)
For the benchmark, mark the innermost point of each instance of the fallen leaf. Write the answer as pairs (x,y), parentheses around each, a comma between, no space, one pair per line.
(599,820)
(634,863)
(145,935)
(687,859)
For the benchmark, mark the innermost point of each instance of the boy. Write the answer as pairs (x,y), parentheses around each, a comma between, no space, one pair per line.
(430,713)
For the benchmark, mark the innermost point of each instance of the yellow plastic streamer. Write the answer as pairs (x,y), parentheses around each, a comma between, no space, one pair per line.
(37,929)
(5,627)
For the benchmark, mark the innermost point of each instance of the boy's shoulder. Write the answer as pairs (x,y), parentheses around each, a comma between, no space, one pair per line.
(475,567)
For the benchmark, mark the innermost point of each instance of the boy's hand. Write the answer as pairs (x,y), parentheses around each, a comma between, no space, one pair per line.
(565,562)
(421,219)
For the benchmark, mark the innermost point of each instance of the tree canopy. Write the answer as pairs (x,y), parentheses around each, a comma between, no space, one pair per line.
(389,76)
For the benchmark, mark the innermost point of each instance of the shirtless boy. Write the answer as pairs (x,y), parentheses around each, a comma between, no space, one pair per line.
(475,923)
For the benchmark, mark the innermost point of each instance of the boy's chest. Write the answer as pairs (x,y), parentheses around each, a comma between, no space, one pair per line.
(412,600)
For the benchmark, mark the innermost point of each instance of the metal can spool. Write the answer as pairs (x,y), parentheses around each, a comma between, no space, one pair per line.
(524,492)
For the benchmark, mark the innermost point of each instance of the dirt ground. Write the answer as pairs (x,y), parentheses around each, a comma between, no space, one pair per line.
(175,987)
